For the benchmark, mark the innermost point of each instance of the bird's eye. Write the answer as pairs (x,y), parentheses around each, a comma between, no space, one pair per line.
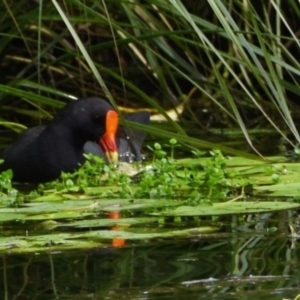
(96,118)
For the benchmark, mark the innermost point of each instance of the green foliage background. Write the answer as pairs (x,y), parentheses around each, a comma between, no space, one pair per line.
(234,62)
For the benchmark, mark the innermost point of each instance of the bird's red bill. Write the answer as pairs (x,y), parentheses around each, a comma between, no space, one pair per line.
(108,141)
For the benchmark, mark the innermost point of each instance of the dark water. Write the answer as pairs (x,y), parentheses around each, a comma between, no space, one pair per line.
(248,259)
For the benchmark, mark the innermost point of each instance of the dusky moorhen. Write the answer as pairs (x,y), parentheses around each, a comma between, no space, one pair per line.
(41,153)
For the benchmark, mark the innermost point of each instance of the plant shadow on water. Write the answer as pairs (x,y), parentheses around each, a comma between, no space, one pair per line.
(186,227)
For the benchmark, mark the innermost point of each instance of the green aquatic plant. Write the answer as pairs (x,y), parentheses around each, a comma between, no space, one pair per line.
(6,183)
(206,179)
(141,206)
(164,178)
(216,177)
(90,174)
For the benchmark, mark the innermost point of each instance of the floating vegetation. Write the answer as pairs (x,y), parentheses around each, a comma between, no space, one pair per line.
(102,206)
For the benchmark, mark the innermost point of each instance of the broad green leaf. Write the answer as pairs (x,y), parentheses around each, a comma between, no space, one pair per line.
(4,217)
(88,240)
(109,222)
(229,208)
(286,189)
